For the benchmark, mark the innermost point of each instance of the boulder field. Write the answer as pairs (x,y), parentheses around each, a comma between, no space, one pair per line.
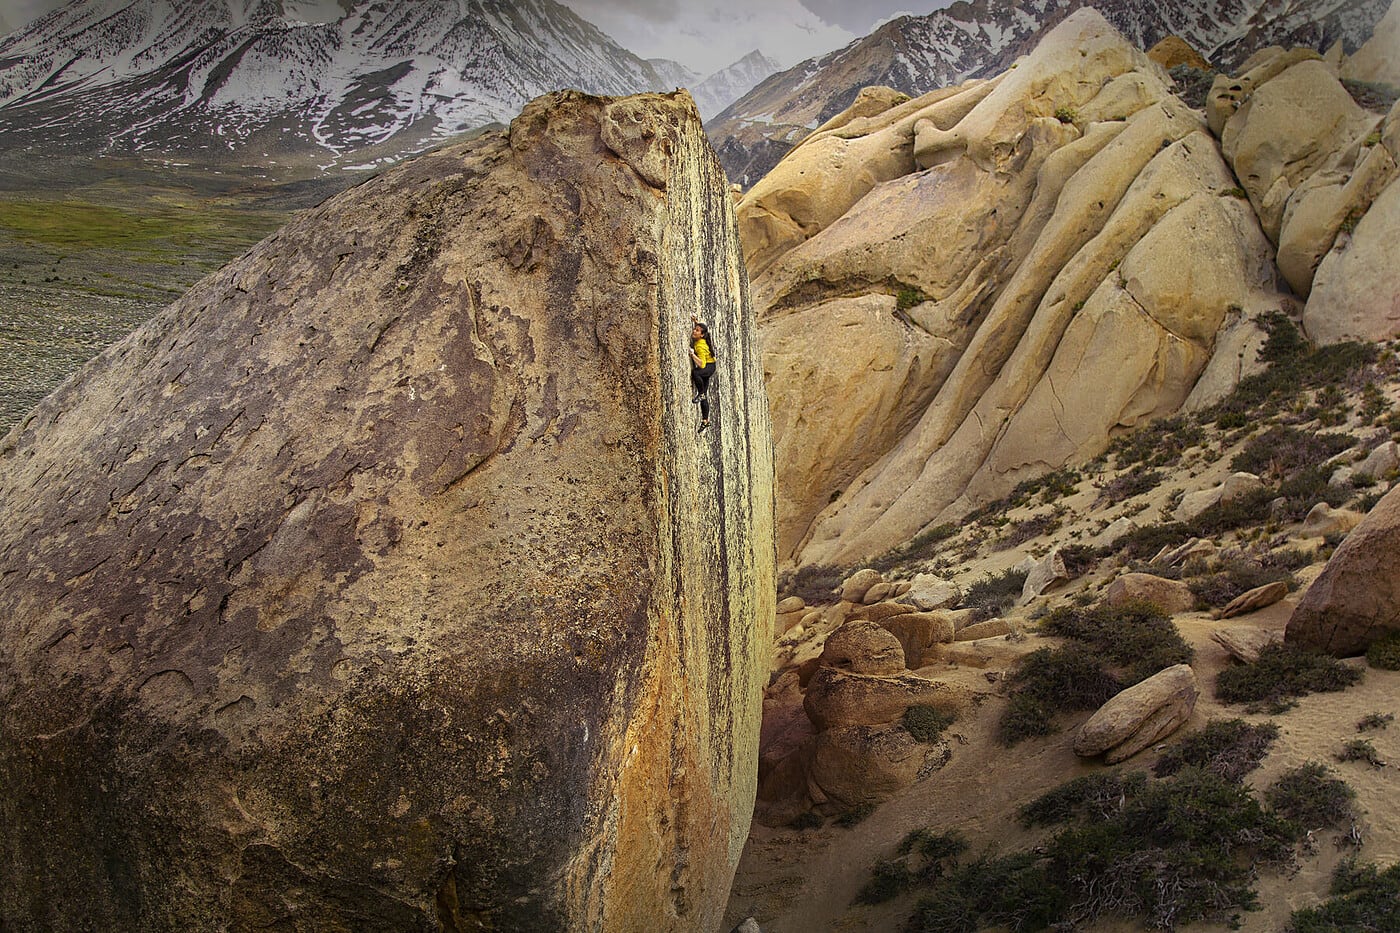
(382,582)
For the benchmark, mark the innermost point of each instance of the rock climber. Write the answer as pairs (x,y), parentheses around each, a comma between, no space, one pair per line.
(702,367)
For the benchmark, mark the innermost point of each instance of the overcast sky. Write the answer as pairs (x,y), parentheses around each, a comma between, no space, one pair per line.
(703,35)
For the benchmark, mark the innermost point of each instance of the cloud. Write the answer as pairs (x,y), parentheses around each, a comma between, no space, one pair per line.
(860,17)
(707,35)
(22,12)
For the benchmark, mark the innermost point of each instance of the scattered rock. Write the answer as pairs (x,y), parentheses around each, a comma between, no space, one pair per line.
(1237,485)
(1255,599)
(878,592)
(1381,461)
(1244,642)
(928,592)
(791,604)
(791,612)
(1139,716)
(879,612)
(1323,520)
(1172,596)
(1049,572)
(1356,600)
(855,587)
(1118,529)
(863,648)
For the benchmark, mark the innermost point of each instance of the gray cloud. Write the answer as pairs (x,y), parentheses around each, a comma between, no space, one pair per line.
(860,17)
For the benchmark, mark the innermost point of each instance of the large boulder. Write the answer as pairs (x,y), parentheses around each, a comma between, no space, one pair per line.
(837,698)
(1357,598)
(1139,716)
(382,583)
(1050,219)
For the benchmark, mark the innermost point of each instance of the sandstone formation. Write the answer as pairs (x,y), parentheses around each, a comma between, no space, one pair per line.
(1253,600)
(1139,716)
(1173,51)
(381,582)
(1242,642)
(1357,598)
(863,648)
(1171,596)
(1028,266)
(1378,60)
(1321,172)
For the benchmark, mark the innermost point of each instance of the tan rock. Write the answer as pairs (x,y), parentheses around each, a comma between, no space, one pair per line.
(1173,51)
(1139,716)
(1381,461)
(1244,642)
(1357,598)
(1323,520)
(867,764)
(1236,486)
(1119,528)
(878,612)
(1172,596)
(353,589)
(929,592)
(1376,60)
(836,698)
(1355,295)
(878,593)
(1256,599)
(1047,573)
(996,652)
(791,604)
(855,587)
(917,631)
(863,648)
(988,629)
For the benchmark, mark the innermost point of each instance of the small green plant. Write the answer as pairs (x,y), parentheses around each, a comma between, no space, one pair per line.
(1349,222)
(1230,748)
(1134,482)
(1310,798)
(1361,750)
(1236,193)
(926,723)
(907,297)
(1364,898)
(1066,115)
(1282,673)
(1374,721)
(1049,681)
(1373,139)
(1094,797)
(994,593)
(1384,653)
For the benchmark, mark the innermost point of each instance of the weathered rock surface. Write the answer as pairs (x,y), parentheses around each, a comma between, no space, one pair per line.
(1139,716)
(1171,596)
(996,260)
(1236,486)
(381,583)
(1357,598)
(1243,642)
(863,648)
(930,592)
(919,631)
(1048,572)
(836,698)
(1323,520)
(1376,60)
(853,765)
(1258,598)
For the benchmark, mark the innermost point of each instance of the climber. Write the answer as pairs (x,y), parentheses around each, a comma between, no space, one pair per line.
(702,367)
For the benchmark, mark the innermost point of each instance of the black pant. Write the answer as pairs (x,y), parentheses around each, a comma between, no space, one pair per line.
(700,379)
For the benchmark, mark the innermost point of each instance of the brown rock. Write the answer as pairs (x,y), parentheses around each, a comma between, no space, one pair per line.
(879,612)
(388,554)
(1255,599)
(863,648)
(835,698)
(1243,642)
(1356,600)
(878,592)
(988,629)
(855,587)
(867,764)
(1173,51)
(1172,596)
(791,604)
(918,631)
(1323,520)
(1139,716)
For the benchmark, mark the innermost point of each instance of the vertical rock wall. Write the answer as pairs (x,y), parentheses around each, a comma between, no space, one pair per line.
(382,582)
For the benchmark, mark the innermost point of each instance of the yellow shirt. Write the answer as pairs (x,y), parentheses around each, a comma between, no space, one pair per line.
(702,350)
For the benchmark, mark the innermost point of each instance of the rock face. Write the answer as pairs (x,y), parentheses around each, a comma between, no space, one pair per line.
(381,582)
(1026,267)
(1357,598)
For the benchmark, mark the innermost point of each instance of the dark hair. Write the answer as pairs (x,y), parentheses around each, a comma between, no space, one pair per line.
(704,335)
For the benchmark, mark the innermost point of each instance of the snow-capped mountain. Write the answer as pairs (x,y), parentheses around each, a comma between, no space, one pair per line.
(917,54)
(352,77)
(726,86)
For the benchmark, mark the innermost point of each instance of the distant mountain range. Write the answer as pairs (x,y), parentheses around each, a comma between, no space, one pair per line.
(918,54)
(255,78)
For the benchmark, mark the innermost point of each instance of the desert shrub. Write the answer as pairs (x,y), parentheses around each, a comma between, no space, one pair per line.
(1241,512)
(1158,443)
(1232,578)
(1361,750)
(1066,115)
(994,593)
(1384,652)
(1079,559)
(1283,451)
(814,583)
(1192,84)
(1373,721)
(807,819)
(923,857)
(1373,402)
(1282,673)
(1305,489)
(1033,527)
(906,297)
(1364,900)
(1289,559)
(1310,798)
(926,723)
(1093,796)
(1137,639)
(1048,487)
(1230,748)
(920,547)
(1371,95)
(1049,681)
(1145,542)
(889,878)
(1135,482)
(1007,891)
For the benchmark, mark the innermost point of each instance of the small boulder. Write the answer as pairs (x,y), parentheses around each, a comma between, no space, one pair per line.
(1243,642)
(791,604)
(1255,599)
(863,648)
(856,765)
(919,631)
(878,592)
(988,629)
(902,589)
(1119,529)
(1236,486)
(1384,459)
(1140,715)
(790,613)
(855,587)
(929,592)
(1172,596)
(1049,572)
(1323,520)
(836,698)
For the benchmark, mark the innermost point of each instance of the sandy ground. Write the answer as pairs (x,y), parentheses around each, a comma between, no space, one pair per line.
(802,881)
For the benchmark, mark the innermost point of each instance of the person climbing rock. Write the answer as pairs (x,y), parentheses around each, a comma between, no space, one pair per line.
(702,367)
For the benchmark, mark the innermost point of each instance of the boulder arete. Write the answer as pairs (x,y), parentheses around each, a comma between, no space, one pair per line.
(383,583)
